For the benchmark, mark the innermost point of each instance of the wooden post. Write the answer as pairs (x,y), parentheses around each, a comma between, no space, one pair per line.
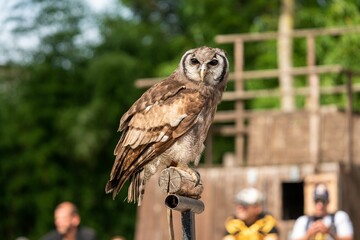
(285,55)
(313,104)
(239,104)
(173,180)
(349,111)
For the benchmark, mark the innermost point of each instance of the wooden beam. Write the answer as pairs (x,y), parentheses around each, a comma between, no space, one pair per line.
(296,71)
(230,116)
(259,74)
(254,37)
(228,131)
(225,116)
(303,91)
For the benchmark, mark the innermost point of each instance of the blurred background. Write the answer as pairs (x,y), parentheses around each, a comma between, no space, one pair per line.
(67,73)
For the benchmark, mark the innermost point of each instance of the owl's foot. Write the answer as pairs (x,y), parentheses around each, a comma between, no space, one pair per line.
(195,175)
(184,182)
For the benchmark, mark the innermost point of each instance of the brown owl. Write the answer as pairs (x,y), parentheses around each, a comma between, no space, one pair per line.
(168,124)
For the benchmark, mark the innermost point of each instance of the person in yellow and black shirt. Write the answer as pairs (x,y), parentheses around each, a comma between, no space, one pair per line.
(250,222)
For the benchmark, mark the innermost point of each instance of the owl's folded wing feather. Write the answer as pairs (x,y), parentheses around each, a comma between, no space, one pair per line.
(158,93)
(151,127)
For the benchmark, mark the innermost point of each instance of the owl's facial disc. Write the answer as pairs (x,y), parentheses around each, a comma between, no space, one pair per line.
(207,65)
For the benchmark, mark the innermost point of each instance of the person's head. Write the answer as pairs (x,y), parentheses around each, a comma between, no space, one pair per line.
(321,199)
(248,204)
(117,237)
(67,218)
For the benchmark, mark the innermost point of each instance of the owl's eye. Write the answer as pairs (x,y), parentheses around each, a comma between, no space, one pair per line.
(194,61)
(213,62)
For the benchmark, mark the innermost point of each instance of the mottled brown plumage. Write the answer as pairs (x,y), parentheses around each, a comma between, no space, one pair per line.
(168,124)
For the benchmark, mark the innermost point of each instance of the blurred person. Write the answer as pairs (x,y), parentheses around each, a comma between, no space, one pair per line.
(323,225)
(67,224)
(250,221)
(117,237)
(21,238)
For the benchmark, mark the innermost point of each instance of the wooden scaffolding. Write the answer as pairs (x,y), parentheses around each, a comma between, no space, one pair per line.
(280,151)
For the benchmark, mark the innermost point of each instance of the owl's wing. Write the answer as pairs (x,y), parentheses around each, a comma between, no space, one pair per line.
(152,125)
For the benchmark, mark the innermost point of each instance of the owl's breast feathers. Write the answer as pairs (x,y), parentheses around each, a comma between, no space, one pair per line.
(157,119)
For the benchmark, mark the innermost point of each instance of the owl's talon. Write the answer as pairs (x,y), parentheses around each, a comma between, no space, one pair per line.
(198,177)
(195,175)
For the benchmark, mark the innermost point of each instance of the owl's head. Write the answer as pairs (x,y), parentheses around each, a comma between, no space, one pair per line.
(205,64)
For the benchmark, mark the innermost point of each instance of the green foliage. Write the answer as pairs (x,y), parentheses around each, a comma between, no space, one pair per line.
(59,116)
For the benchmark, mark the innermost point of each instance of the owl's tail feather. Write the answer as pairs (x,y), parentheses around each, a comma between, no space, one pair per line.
(136,189)
(113,186)
(129,164)
(122,171)
(110,185)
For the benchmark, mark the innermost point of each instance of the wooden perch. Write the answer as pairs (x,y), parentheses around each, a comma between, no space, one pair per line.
(177,181)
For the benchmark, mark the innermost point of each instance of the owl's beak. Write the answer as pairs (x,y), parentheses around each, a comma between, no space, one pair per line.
(203,70)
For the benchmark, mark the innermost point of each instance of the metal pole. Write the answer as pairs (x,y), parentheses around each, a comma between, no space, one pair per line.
(188,225)
(188,207)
